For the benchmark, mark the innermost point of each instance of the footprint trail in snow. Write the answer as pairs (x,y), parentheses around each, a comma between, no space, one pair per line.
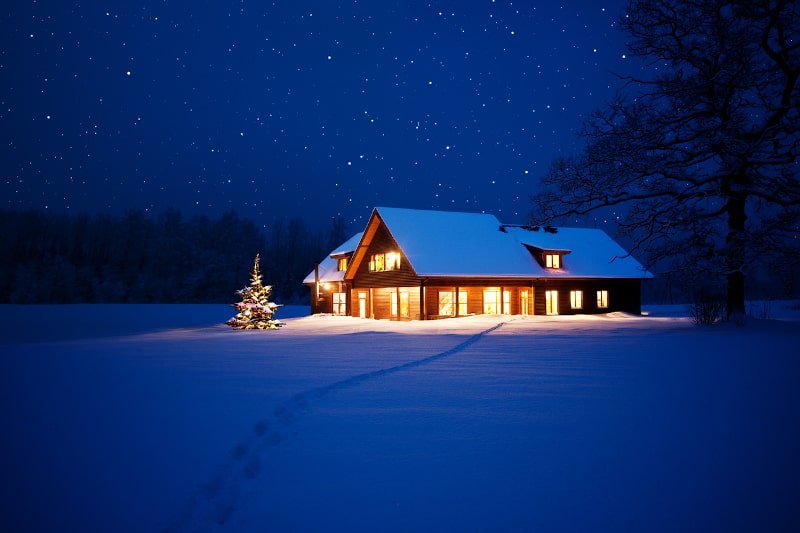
(215,501)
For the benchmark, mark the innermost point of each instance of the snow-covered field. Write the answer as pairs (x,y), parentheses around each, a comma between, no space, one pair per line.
(139,418)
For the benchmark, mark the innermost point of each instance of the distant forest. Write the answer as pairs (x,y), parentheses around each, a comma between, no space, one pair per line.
(143,258)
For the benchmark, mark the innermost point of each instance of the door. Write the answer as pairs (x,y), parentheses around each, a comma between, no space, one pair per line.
(362,305)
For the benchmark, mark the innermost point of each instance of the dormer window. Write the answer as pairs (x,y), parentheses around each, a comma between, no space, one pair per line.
(548,258)
(341,264)
(387,261)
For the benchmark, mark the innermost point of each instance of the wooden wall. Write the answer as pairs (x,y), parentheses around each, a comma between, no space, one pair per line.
(383,242)
(623,295)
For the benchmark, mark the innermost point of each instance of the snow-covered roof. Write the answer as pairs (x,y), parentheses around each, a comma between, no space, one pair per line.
(328,267)
(592,253)
(445,243)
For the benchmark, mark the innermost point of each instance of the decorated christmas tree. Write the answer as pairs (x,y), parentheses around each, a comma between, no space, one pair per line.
(255,309)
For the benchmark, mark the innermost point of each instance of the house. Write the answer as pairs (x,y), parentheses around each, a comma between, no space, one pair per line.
(412,264)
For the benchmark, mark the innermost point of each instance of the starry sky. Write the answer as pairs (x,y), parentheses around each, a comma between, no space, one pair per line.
(319,109)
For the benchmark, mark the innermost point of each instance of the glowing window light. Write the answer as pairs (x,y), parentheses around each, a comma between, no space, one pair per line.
(387,261)
(576,299)
(602,299)
(551,302)
(552,260)
(446,307)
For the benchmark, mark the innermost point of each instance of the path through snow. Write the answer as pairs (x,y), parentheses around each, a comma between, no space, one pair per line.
(216,501)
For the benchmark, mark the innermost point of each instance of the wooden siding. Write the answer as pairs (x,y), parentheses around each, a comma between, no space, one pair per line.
(382,242)
(623,295)
(382,303)
(475,293)
(324,304)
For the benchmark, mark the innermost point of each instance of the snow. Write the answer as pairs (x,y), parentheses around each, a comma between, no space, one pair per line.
(592,253)
(328,270)
(445,243)
(160,418)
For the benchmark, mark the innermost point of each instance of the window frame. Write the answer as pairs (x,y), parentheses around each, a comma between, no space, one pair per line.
(384,262)
(576,299)
(451,303)
(551,302)
(602,299)
(339,301)
(552,261)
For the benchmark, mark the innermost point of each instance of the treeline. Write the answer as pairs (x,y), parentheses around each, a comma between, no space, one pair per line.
(142,258)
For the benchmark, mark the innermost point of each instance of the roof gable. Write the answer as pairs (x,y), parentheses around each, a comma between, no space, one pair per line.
(328,268)
(445,244)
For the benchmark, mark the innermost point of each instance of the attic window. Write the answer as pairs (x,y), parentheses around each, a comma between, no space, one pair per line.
(387,261)
(341,264)
(552,260)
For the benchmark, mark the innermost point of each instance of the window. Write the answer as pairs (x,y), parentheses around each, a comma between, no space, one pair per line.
(523,301)
(491,301)
(602,299)
(552,260)
(376,263)
(341,264)
(576,299)
(462,302)
(340,303)
(446,303)
(403,303)
(551,302)
(387,261)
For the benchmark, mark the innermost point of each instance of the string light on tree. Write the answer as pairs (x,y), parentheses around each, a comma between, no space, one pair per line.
(255,309)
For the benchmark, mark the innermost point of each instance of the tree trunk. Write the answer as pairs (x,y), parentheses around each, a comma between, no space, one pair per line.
(734,305)
(735,242)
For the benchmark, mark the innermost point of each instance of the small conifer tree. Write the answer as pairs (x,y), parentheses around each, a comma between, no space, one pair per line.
(255,311)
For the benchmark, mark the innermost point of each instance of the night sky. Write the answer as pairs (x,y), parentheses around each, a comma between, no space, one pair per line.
(317,109)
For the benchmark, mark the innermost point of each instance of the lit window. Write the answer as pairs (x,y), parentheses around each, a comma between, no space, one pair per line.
(523,302)
(602,299)
(341,264)
(403,303)
(393,261)
(491,302)
(462,302)
(551,302)
(576,299)
(339,303)
(446,303)
(381,262)
(552,261)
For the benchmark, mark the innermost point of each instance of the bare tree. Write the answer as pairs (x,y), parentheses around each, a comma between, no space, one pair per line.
(700,158)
